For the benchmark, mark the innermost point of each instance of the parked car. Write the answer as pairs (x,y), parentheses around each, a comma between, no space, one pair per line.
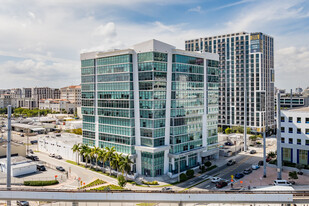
(34,158)
(292,182)
(221,184)
(300,173)
(52,155)
(230,162)
(22,135)
(261,163)
(253,151)
(247,171)
(34,141)
(268,159)
(166,189)
(31,151)
(215,179)
(41,168)
(60,168)
(228,144)
(58,157)
(255,167)
(239,175)
(22,203)
(282,183)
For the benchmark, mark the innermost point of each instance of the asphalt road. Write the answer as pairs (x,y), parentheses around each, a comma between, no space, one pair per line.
(243,161)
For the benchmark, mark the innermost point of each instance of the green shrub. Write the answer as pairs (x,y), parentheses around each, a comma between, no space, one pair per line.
(94,183)
(122,181)
(203,169)
(150,183)
(108,187)
(41,183)
(208,164)
(211,167)
(293,175)
(183,177)
(228,131)
(190,173)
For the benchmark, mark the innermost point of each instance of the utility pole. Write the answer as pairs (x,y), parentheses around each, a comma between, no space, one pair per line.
(8,154)
(245,118)
(264,149)
(279,155)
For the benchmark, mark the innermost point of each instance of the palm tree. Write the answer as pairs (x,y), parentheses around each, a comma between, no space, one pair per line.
(116,161)
(85,151)
(125,165)
(101,157)
(95,153)
(110,152)
(77,148)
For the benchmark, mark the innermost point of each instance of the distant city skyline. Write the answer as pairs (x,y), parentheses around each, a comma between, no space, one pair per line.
(41,40)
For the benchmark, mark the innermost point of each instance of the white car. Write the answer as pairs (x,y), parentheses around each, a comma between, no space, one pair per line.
(255,167)
(216,179)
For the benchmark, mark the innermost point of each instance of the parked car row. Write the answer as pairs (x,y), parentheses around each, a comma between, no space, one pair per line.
(32,157)
(55,156)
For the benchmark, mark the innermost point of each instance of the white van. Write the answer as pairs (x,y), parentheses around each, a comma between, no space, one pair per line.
(282,183)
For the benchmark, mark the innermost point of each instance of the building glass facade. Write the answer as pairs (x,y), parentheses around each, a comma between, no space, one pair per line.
(155,103)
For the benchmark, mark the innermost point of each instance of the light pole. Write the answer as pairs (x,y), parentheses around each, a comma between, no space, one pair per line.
(8,154)
(264,151)
(279,155)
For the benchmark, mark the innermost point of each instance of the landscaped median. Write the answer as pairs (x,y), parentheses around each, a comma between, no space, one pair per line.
(107,188)
(41,183)
(93,183)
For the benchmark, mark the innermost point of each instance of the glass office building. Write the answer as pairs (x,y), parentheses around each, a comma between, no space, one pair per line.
(153,102)
(246,64)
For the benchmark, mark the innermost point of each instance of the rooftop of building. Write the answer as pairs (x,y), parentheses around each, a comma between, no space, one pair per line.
(72,87)
(299,109)
(16,160)
(152,45)
(68,139)
(227,35)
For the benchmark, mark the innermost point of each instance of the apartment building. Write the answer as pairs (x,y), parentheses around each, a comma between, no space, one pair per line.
(73,94)
(295,135)
(246,64)
(57,105)
(154,102)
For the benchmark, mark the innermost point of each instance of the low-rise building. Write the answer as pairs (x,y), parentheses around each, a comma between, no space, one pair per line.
(60,145)
(29,129)
(295,135)
(16,149)
(19,166)
(57,105)
(73,94)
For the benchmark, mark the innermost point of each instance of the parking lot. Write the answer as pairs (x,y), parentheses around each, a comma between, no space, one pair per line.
(49,174)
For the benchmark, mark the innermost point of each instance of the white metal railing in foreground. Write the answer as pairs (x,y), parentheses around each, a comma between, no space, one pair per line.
(145,197)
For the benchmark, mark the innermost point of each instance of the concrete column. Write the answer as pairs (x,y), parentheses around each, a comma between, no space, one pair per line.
(199,159)
(294,155)
(138,162)
(187,161)
(166,162)
(173,163)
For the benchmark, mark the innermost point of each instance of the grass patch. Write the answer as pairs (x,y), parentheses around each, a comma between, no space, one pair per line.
(107,188)
(151,183)
(41,183)
(93,183)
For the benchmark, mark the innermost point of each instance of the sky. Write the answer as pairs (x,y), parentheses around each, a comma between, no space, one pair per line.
(41,40)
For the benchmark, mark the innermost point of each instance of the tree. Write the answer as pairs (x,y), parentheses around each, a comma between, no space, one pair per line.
(234,129)
(190,173)
(253,138)
(76,149)
(208,164)
(116,161)
(220,130)
(228,131)
(271,154)
(101,157)
(248,130)
(183,177)
(78,131)
(95,153)
(109,156)
(85,151)
(122,181)
(125,165)
(293,175)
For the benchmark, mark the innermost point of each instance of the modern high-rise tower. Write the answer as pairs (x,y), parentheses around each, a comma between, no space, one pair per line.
(153,102)
(246,62)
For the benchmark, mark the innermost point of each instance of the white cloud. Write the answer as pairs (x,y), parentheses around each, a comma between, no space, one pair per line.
(197,9)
